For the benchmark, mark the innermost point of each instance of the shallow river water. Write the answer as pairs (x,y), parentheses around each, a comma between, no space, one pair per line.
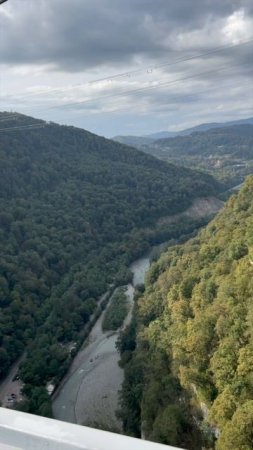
(89,393)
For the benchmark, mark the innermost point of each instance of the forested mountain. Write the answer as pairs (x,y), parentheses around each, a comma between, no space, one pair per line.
(191,376)
(75,209)
(142,141)
(226,153)
(208,126)
(218,141)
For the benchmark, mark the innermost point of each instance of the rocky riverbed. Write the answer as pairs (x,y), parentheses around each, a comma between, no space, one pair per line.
(89,394)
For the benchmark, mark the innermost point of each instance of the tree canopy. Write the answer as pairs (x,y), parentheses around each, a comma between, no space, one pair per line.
(197,314)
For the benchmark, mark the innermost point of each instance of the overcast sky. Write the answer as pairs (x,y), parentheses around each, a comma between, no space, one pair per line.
(127,67)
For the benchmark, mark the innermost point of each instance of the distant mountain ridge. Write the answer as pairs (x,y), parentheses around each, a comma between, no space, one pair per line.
(196,141)
(140,141)
(209,126)
(226,152)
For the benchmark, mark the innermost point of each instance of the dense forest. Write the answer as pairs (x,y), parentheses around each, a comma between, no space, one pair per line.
(75,210)
(189,372)
(226,153)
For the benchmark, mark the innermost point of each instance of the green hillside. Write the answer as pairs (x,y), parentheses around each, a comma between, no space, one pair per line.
(227,152)
(75,210)
(191,377)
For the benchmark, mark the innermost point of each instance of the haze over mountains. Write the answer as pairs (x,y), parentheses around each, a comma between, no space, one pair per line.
(224,151)
(140,141)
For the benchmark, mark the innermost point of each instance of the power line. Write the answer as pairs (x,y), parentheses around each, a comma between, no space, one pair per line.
(23,127)
(147,69)
(173,97)
(9,117)
(145,88)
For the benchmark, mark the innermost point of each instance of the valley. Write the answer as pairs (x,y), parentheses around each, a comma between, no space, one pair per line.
(76,211)
(226,151)
(126,225)
(68,245)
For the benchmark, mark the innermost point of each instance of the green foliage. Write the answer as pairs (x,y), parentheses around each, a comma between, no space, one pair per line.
(225,152)
(127,339)
(238,433)
(131,397)
(197,309)
(37,401)
(116,311)
(75,210)
(238,250)
(169,425)
(187,286)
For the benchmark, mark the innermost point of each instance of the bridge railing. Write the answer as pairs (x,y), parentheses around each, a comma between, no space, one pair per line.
(21,431)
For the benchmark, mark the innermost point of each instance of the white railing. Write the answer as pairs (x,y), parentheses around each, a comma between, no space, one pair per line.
(20,431)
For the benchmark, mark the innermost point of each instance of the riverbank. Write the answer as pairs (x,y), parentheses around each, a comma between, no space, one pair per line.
(89,395)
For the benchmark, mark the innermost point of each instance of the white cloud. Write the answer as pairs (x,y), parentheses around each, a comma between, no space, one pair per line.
(234,29)
(238,27)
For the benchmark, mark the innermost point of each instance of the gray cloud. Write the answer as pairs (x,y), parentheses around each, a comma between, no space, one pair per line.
(56,46)
(77,35)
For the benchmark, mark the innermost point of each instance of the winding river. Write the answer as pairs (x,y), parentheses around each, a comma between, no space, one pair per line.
(89,393)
